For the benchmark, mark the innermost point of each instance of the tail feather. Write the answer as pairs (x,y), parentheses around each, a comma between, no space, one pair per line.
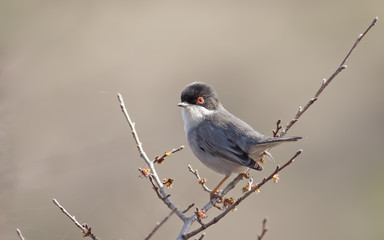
(256,150)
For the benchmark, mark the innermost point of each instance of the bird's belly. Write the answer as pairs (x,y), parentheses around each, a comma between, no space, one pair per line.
(217,164)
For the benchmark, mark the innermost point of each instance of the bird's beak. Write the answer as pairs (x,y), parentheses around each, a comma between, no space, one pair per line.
(183,104)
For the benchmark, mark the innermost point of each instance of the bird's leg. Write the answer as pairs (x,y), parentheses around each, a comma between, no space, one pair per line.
(214,191)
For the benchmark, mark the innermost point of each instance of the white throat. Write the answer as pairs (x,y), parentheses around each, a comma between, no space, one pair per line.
(193,115)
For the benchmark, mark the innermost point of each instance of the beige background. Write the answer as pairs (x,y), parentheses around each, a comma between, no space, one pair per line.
(63,135)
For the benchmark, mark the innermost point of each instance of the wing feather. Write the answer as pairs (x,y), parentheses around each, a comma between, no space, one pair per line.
(224,143)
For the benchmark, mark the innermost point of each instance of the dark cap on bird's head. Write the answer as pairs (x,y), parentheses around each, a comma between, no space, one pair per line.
(201,94)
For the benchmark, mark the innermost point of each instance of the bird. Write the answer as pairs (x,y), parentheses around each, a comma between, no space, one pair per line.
(220,140)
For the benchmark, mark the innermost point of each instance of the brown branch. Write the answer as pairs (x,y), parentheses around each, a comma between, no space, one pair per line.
(161,159)
(264,230)
(189,207)
(202,236)
(326,82)
(239,200)
(158,225)
(19,234)
(83,227)
(200,180)
(278,128)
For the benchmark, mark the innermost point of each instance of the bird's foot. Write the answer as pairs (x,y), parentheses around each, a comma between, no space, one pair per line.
(214,195)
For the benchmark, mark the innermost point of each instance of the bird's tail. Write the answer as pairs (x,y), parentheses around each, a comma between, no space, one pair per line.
(267,143)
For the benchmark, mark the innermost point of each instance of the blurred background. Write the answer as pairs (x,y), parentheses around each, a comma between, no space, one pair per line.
(63,136)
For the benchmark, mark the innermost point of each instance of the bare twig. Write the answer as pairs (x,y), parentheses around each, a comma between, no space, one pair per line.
(202,236)
(264,230)
(19,234)
(158,225)
(161,159)
(137,140)
(239,200)
(200,180)
(159,185)
(83,227)
(189,207)
(278,128)
(326,82)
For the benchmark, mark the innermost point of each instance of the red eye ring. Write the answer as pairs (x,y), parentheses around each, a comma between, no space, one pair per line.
(200,100)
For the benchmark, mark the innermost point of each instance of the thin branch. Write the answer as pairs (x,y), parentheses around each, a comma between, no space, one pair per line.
(239,200)
(202,236)
(137,140)
(264,230)
(200,180)
(189,207)
(326,82)
(157,189)
(159,185)
(158,225)
(19,234)
(278,128)
(161,159)
(83,227)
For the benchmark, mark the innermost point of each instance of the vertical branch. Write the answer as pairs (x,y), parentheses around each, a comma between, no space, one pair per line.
(160,187)
(264,230)
(138,143)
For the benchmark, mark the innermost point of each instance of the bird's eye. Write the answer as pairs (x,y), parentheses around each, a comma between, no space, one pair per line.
(200,100)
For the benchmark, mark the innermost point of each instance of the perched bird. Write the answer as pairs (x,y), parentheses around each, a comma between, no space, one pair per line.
(220,140)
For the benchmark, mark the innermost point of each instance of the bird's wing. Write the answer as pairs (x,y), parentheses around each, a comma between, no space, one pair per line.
(223,143)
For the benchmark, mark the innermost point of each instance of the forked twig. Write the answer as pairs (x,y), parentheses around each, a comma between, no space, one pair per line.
(264,230)
(200,180)
(326,82)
